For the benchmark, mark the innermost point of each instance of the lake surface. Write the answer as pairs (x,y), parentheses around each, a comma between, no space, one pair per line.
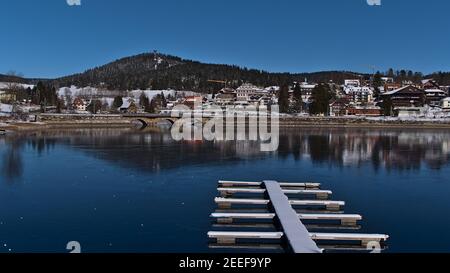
(140,191)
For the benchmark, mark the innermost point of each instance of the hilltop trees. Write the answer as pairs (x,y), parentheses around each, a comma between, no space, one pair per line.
(321,96)
(138,72)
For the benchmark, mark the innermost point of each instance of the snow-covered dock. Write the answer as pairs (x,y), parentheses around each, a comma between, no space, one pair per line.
(240,207)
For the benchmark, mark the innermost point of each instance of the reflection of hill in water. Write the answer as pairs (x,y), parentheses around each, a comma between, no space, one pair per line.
(154,150)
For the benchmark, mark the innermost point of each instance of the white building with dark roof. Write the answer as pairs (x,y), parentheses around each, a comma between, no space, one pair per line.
(245,91)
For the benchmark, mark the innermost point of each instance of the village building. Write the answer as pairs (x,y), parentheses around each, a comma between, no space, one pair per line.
(387,79)
(225,98)
(407,96)
(245,91)
(445,104)
(408,112)
(391,86)
(446,89)
(193,101)
(272,90)
(128,106)
(430,84)
(339,107)
(359,94)
(79,104)
(434,97)
(354,83)
(370,110)
(307,90)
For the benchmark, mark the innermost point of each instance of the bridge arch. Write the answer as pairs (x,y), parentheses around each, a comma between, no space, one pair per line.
(147,122)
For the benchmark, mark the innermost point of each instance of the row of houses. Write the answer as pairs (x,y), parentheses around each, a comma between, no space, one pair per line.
(404,101)
(246,94)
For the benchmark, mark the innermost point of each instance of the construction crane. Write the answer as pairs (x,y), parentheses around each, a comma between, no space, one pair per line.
(219,81)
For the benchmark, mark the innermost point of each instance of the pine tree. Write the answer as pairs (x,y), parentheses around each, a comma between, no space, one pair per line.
(377,83)
(321,100)
(152,107)
(145,103)
(387,107)
(95,106)
(163,100)
(118,102)
(297,105)
(283,99)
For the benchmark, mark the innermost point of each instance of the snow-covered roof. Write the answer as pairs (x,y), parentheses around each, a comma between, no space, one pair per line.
(427,81)
(127,103)
(248,87)
(308,86)
(396,90)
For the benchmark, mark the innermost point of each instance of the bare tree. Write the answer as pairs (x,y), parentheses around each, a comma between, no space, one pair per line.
(13,85)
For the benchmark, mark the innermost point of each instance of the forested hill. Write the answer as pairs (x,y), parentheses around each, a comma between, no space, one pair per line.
(157,71)
(164,71)
(12,78)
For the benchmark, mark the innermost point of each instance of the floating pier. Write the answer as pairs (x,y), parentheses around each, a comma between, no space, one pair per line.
(293,215)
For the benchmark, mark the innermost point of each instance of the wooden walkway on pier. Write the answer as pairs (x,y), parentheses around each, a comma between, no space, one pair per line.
(290,215)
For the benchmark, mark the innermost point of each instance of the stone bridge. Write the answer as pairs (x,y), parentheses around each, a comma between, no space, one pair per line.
(142,120)
(148,120)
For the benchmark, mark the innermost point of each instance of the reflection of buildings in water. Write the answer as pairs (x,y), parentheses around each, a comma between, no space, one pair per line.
(445,146)
(392,149)
(155,150)
(248,149)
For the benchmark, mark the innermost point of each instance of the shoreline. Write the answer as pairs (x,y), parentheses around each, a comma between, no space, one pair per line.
(284,123)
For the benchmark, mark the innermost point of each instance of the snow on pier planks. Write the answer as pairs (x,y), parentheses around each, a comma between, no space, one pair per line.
(277,207)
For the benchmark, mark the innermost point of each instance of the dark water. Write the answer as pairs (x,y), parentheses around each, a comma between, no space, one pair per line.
(127,191)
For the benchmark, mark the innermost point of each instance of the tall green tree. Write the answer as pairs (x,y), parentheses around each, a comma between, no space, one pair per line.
(283,99)
(297,104)
(144,102)
(152,107)
(163,100)
(387,107)
(95,106)
(377,83)
(321,96)
(118,102)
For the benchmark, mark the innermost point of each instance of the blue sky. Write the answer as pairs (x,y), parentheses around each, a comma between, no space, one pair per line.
(49,38)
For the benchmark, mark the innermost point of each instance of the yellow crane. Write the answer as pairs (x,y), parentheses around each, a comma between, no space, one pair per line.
(219,81)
